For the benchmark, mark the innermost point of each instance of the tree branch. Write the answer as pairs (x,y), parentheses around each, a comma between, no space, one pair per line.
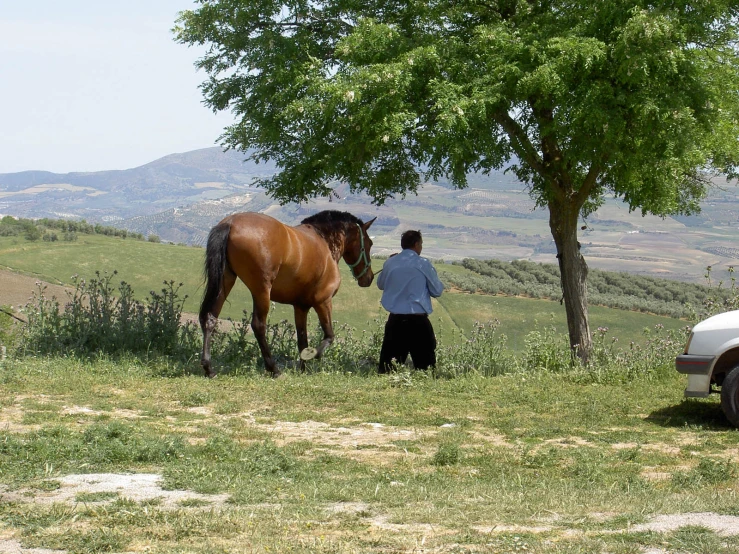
(312,23)
(520,141)
(6,312)
(552,156)
(588,184)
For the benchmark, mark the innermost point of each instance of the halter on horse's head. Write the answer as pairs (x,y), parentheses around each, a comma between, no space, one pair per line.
(356,244)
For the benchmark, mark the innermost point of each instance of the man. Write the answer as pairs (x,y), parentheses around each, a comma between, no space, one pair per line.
(408,282)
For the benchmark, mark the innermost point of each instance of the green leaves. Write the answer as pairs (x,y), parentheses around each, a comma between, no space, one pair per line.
(600,97)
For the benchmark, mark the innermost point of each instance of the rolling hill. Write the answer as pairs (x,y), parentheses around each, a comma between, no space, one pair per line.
(181,196)
(109,196)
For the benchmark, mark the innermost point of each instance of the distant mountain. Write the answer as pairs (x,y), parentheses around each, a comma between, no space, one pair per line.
(174,180)
(181,196)
(191,224)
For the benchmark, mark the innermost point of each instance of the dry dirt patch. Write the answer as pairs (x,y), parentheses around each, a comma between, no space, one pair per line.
(366,434)
(16,289)
(657,447)
(14,547)
(139,487)
(363,439)
(134,486)
(725,526)
(10,418)
(373,442)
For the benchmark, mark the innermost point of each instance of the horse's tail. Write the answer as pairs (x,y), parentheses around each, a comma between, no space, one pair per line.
(215,267)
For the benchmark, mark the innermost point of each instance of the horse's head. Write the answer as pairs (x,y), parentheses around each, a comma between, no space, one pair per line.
(357,254)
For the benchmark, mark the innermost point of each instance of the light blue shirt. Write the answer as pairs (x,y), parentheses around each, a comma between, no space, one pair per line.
(408,282)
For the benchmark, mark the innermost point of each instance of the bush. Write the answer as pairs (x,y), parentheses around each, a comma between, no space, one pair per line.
(37,229)
(32,233)
(97,318)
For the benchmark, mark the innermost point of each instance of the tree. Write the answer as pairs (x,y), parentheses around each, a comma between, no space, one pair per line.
(32,233)
(581,99)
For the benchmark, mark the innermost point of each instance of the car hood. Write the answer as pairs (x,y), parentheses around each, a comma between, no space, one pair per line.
(710,334)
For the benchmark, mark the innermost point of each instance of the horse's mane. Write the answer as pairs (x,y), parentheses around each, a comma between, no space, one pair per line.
(331,219)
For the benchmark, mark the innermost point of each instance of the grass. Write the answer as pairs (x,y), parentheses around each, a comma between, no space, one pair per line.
(333,462)
(454,314)
(518,316)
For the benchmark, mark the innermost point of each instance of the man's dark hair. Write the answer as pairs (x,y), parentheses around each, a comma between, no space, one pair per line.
(409,239)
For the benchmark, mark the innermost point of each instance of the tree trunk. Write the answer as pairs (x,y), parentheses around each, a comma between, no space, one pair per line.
(573,274)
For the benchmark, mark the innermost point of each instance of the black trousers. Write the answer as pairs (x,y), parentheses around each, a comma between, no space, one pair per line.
(408,334)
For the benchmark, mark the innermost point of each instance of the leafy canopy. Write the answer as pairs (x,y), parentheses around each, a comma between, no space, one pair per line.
(579,98)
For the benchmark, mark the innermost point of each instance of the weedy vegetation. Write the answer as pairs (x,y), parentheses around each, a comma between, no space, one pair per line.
(494,450)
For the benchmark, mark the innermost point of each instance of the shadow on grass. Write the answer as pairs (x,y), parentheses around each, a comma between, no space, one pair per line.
(703,413)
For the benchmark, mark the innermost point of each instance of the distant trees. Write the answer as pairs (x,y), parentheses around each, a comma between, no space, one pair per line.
(32,233)
(606,288)
(37,229)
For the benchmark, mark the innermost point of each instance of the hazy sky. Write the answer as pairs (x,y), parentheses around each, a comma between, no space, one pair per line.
(87,85)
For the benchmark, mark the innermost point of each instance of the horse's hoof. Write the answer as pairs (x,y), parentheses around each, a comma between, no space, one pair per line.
(308,353)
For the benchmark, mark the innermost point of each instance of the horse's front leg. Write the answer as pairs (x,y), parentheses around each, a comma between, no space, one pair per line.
(259,327)
(301,326)
(323,311)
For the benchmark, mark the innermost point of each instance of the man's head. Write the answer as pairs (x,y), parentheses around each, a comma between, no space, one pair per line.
(412,240)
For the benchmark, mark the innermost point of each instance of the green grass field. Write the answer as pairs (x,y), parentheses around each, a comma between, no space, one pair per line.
(143,454)
(145,265)
(336,463)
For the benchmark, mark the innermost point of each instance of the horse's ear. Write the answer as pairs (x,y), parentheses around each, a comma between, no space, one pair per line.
(369,223)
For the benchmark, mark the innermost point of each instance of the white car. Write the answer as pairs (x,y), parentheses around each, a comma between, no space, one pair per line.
(712,357)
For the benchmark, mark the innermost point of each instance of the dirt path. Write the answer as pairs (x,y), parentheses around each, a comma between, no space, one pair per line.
(16,288)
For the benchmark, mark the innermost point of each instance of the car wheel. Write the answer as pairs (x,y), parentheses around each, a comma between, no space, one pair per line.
(730,396)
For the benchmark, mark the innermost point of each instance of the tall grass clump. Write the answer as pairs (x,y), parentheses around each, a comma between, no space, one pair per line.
(236,350)
(7,324)
(483,353)
(548,351)
(352,351)
(610,362)
(101,318)
(721,297)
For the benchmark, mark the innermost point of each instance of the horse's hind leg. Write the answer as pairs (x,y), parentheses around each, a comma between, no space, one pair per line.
(209,320)
(259,326)
(301,327)
(323,311)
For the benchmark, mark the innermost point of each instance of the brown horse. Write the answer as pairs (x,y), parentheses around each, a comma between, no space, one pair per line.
(290,265)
